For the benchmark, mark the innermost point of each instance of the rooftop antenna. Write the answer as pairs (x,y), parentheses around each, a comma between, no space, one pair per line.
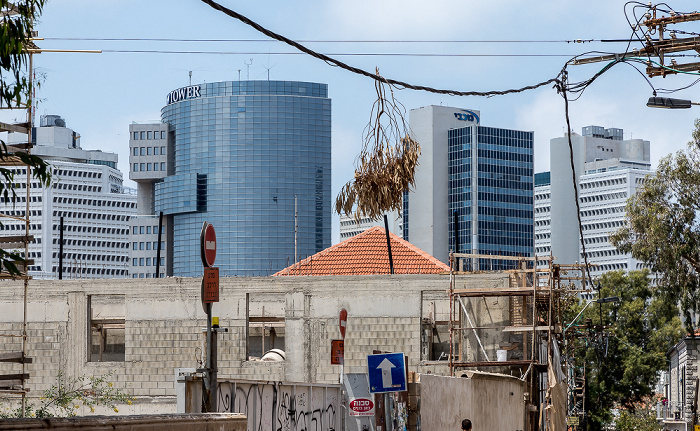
(239,75)
(247,69)
(190,77)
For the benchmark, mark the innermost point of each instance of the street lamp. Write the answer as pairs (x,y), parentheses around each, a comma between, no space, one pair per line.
(607,300)
(668,103)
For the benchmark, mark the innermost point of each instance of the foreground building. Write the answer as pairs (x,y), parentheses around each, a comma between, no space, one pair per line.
(238,155)
(474,186)
(608,171)
(87,193)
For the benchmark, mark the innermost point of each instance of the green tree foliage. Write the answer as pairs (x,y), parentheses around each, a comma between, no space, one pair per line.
(65,397)
(638,420)
(624,345)
(663,229)
(15,33)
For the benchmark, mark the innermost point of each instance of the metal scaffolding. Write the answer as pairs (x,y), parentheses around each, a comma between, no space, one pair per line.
(537,297)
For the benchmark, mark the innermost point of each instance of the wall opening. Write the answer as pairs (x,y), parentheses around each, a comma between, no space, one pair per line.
(265,324)
(106,328)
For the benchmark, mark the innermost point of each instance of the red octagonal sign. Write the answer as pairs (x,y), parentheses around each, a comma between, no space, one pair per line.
(208,244)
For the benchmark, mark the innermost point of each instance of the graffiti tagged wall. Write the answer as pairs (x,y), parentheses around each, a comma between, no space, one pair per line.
(277,406)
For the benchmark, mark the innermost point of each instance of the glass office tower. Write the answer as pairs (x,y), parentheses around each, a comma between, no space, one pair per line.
(239,153)
(482,177)
(491,192)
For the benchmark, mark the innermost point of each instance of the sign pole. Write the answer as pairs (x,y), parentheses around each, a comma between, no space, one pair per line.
(208,372)
(342,324)
(210,294)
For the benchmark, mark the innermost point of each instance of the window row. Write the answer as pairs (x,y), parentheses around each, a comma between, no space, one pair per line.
(101,244)
(146,275)
(149,151)
(94,202)
(95,216)
(147,261)
(89,229)
(9,199)
(147,245)
(78,187)
(144,230)
(605,197)
(143,135)
(70,173)
(603,183)
(80,258)
(144,167)
(96,271)
(607,225)
(19,227)
(602,211)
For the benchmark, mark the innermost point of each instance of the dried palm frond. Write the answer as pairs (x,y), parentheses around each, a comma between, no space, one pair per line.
(386,166)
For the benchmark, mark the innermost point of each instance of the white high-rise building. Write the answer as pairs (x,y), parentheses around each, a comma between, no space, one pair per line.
(350,227)
(608,171)
(87,192)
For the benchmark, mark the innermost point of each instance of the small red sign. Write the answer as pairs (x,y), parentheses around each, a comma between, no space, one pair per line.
(208,244)
(361,407)
(210,285)
(337,352)
(343,322)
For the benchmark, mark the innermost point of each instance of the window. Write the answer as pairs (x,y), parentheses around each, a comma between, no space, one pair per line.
(135,262)
(149,135)
(136,137)
(141,261)
(155,151)
(141,246)
(136,151)
(162,135)
(148,230)
(162,151)
(136,167)
(136,247)
(143,151)
(265,318)
(107,325)
(155,166)
(149,150)
(162,166)
(143,166)
(148,246)
(148,166)
(141,229)
(435,329)
(143,135)
(148,261)
(136,230)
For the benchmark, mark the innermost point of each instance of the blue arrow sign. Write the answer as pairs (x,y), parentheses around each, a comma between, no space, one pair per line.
(387,372)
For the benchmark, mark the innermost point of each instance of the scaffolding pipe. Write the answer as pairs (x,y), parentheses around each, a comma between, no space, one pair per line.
(459,298)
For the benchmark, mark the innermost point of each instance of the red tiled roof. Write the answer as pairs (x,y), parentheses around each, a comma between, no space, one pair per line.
(367,254)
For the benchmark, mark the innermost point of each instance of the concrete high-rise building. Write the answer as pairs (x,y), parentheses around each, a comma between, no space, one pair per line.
(481,175)
(235,154)
(87,191)
(350,227)
(608,171)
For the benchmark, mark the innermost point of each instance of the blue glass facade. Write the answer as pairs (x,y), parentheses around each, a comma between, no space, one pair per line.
(491,191)
(241,152)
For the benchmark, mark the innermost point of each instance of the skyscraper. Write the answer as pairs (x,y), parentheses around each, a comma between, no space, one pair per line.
(608,171)
(87,192)
(236,155)
(482,177)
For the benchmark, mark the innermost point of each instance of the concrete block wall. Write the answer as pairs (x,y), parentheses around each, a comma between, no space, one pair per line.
(164,322)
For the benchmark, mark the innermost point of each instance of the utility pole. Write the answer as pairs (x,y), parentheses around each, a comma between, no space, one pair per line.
(659,47)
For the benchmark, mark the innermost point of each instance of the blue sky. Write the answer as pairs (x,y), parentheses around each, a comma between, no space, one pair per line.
(99,95)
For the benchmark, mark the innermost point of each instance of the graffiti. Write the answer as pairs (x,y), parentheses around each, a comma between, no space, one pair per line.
(277,406)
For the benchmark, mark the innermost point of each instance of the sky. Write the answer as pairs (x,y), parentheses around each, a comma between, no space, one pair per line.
(462,46)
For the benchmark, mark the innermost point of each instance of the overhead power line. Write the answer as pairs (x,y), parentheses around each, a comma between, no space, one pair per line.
(338,54)
(122,39)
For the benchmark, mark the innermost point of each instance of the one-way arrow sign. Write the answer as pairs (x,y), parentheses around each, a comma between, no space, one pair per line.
(387,372)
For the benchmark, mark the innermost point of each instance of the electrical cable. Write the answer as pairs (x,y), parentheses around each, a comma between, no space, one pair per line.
(333,62)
